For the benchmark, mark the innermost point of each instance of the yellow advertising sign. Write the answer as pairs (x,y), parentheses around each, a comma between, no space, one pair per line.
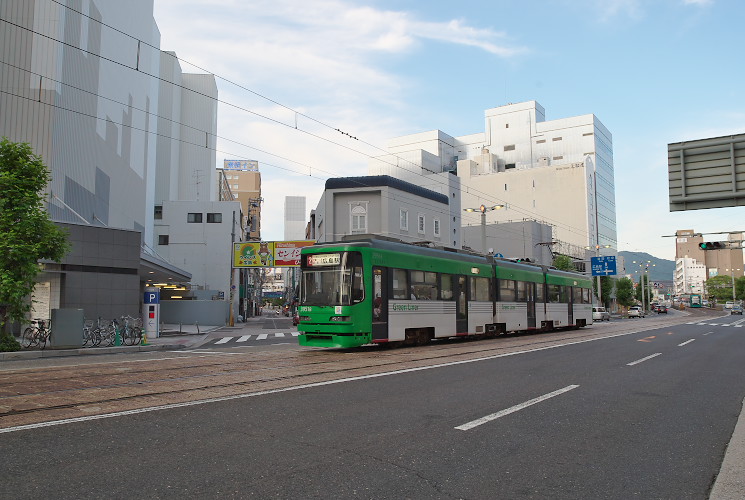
(268,253)
(253,254)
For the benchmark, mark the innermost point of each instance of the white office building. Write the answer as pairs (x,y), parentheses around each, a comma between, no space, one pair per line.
(690,276)
(559,172)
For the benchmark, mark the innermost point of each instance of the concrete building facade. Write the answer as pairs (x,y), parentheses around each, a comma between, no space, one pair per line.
(559,172)
(295,218)
(244,179)
(123,132)
(386,206)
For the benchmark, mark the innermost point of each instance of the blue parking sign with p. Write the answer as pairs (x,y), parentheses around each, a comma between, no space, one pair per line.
(152,298)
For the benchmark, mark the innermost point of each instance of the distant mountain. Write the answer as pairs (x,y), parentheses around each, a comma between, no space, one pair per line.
(663,269)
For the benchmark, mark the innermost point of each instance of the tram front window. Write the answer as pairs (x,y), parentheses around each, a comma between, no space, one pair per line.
(333,279)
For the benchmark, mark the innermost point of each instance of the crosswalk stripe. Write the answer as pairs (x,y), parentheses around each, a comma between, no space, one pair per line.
(224,340)
(243,338)
(279,334)
(295,334)
(262,336)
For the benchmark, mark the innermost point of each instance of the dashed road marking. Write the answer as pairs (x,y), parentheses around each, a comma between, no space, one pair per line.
(643,359)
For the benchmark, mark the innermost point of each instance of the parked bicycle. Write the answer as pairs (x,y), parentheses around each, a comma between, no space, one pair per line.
(131,330)
(37,334)
(91,334)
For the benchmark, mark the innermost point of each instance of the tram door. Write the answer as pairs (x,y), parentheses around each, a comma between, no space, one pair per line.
(380,303)
(531,305)
(461,306)
(570,312)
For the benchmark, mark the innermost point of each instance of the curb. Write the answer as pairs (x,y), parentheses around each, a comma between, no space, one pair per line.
(58,353)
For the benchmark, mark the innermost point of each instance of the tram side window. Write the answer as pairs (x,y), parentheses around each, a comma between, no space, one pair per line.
(586,296)
(507,290)
(480,289)
(424,285)
(577,295)
(554,293)
(446,287)
(565,294)
(400,284)
(522,291)
(539,296)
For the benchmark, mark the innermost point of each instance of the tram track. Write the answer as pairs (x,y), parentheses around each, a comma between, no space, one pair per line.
(38,402)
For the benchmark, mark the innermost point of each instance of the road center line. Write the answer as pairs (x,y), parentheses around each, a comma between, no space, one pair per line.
(499,414)
(643,359)
(686,342)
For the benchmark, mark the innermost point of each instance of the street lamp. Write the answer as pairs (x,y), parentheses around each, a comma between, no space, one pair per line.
(483,209)
(646,289)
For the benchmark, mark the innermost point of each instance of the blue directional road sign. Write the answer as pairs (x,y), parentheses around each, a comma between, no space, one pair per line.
(603,266)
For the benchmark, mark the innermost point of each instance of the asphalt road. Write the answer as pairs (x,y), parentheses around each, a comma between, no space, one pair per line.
(646,415)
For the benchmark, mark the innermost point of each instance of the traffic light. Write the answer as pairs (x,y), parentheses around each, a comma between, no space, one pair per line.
(712,245)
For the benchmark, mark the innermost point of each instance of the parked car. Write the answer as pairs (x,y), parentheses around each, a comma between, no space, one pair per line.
(600,314)
(636,312)
(736,310)
(661,309)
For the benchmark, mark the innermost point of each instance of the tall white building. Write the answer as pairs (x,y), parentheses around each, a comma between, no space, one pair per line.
(559,171)
(121,129)
(295,219)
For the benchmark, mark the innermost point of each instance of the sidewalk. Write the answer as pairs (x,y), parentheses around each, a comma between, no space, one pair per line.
(172,337)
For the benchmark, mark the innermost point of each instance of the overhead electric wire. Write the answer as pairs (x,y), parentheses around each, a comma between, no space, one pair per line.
(468,190)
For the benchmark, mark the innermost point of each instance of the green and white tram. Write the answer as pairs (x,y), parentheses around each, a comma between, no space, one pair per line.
(381,291)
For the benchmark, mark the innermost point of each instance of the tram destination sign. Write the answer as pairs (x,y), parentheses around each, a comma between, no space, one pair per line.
(603,266)
(324,259)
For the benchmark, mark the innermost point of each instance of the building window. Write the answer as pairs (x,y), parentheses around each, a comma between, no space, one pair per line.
(586,134)
(158,214)
(235,195)
(194,217)
(541,141)
(556,139)
(508,166)
(214,218)
(420,223)
(506,125)
(558,157)
(510,147)
(404,220)
(162,239)
(358,217)
(436,227)
(235,186)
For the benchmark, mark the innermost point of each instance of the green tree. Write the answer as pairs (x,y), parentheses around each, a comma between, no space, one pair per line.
(720,287)
(28,234)
(564,263)
(625,292)
(643,286)
(607,285)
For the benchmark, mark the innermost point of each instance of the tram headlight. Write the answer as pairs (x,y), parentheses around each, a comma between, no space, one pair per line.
(341,318)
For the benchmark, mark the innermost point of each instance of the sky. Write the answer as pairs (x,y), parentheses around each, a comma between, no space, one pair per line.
(313,89)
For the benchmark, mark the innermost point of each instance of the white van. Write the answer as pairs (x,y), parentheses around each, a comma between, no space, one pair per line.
(600,314)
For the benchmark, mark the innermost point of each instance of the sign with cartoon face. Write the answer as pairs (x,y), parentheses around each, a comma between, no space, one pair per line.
(268,253)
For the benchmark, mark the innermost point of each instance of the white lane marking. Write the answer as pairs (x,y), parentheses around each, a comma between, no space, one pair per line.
(243,338)
(707,333)
(279,334)
(213,353)
(299,387)
(686,342)
(295,334)
(500,414)
(224,340)
(262,336)
(643,359)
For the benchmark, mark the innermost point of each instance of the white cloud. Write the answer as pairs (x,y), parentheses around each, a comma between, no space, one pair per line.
(325,58)
(701,3)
